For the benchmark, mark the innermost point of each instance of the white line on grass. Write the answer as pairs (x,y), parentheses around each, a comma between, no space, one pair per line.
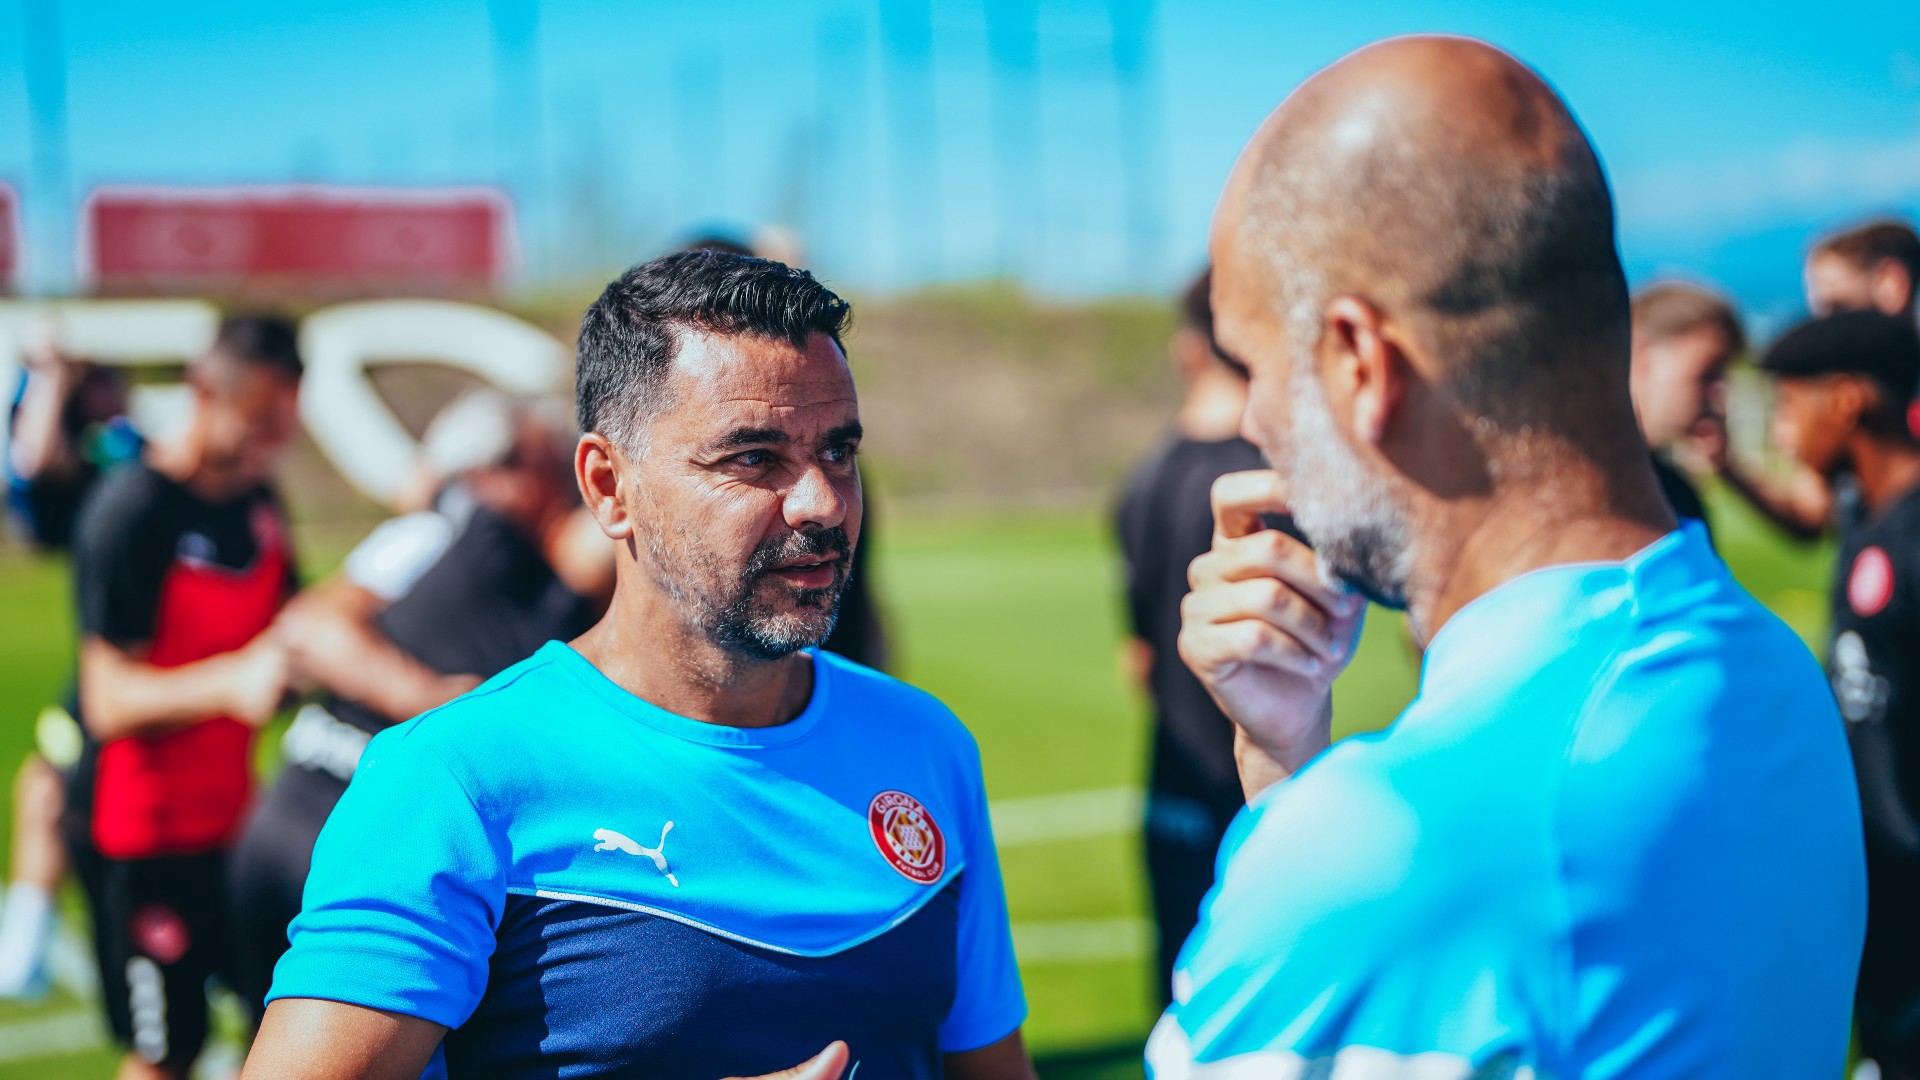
(1078,941)
(1072,815)
(66,1032)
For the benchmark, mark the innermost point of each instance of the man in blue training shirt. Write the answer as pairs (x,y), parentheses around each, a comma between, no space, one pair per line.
(685,845)
(1616,833)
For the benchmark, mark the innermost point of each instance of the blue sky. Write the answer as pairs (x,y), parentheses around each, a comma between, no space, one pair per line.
(908,147)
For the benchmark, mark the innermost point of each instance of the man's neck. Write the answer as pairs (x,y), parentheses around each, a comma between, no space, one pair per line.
(644,647)
(1569,514)
(184,461)
(1887,469)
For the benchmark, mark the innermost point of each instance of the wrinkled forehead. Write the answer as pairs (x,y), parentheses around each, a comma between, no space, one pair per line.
(723,381)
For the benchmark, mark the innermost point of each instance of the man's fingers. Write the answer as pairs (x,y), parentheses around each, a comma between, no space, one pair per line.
(1240,498)
(828,1064)
(1270,554)
(1217,651)
(1270,601)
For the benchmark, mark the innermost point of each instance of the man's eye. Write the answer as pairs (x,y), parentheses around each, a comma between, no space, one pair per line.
(753,459)
(841,453)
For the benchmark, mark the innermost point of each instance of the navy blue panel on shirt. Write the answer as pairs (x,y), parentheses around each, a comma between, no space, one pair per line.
(579,990)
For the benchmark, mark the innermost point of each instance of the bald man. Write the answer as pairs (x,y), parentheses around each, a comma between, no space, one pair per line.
(1616,833)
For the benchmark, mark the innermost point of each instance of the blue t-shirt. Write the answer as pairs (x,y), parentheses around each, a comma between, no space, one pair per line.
(1615,835)
(582,884)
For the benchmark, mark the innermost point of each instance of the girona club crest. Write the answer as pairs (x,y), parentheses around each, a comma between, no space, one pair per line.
(905,833)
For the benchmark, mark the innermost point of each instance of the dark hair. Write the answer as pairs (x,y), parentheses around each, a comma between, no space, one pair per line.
(717,241)
(629,337)
(1883,349)
(1196,313)
(1196,304)
(268,341)
(1869,245)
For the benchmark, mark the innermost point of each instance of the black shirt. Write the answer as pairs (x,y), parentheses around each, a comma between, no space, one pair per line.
(487,603)
(1165,522)
(137,524)
(1875,650)
(1681,495)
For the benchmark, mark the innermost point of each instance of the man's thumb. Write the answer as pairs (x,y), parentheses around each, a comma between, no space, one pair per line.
(828,1064)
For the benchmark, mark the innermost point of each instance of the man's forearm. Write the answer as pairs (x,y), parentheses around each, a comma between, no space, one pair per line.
(310,1039)
(337,646)
(1003,1060)
(1777,506)
(121,696)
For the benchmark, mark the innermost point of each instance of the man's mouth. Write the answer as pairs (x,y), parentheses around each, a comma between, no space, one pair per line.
(812,572)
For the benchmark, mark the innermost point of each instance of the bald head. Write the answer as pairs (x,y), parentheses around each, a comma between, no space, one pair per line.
(1445,184)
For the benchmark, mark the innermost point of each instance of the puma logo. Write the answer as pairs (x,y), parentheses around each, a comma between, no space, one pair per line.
(613,841)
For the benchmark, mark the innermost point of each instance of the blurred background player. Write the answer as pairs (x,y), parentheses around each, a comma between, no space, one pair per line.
(1684,337)
(424,609)
(1874,267)
(181,564)
(1843,386)
(69,427)
(1165,522)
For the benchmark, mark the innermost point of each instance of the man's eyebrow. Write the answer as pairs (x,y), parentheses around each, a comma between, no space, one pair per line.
(845,433)
(741,438)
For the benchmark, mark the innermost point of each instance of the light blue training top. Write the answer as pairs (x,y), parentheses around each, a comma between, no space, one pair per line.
(579,883)
(1615,835)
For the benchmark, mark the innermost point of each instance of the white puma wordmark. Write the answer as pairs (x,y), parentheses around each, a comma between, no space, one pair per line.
(613,841)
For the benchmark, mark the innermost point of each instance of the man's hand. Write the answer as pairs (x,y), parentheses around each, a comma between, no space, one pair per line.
(1703,451)
(259,675)
(331,632)
(828,1064)
(1263,633)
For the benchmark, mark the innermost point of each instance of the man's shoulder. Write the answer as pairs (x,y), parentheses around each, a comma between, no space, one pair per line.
(867,693)
(125,497)
(1363,820)
(1362,867)
(503,710)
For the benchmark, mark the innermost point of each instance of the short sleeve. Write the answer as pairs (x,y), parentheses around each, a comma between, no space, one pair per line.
(407,887)
(120,557)
(988,1003)
(394,555)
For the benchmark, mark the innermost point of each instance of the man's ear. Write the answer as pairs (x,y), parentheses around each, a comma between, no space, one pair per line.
(1363,365)
(1891,287)
(1849,399)
(599,468)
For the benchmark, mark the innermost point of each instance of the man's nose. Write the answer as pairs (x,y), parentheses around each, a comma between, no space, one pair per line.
(814,502)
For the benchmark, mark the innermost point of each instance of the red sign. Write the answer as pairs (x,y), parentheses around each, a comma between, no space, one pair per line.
(326,239)
(9,236)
